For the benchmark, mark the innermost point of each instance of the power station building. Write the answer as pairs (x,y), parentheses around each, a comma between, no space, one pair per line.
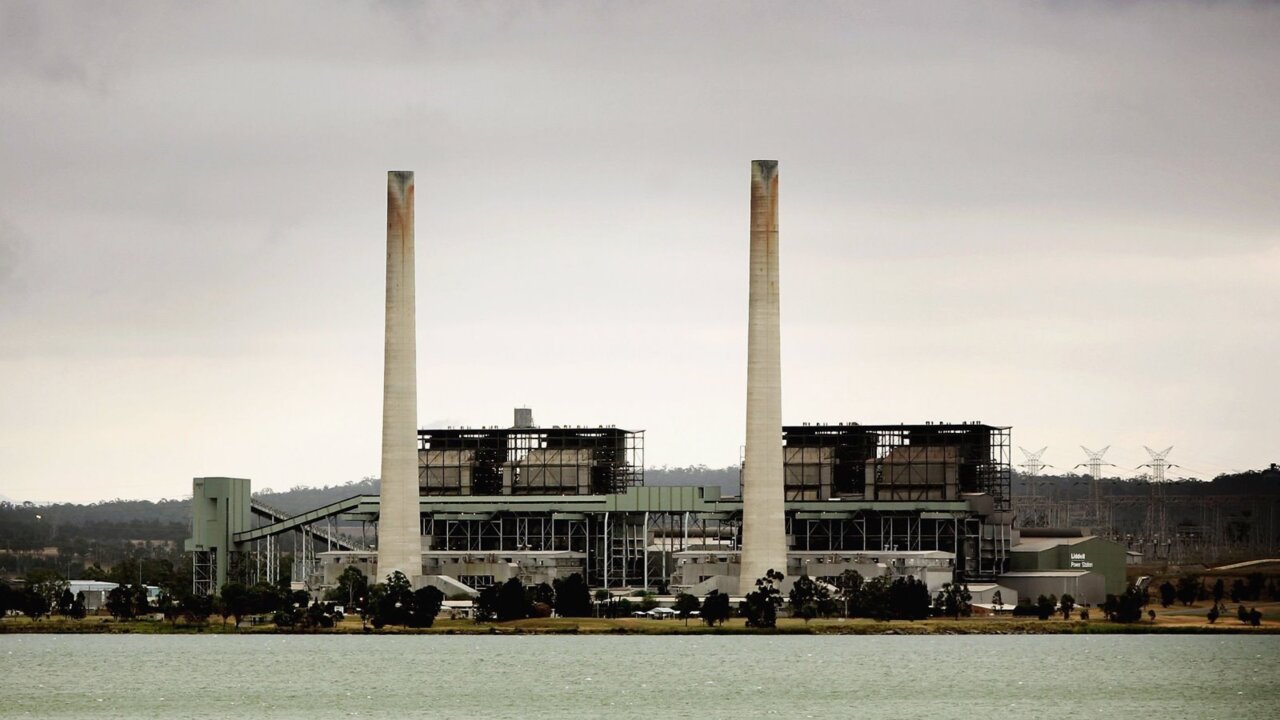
(543,503)
(929,500)
(463,508)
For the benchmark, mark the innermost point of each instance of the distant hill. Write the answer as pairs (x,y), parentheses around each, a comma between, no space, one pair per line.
(300,499)
(727,478)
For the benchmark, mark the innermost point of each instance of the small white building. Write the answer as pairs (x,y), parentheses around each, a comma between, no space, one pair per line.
(95,592)
(984,595)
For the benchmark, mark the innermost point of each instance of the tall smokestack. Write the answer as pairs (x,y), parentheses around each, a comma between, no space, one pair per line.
(399,535)
(764,539)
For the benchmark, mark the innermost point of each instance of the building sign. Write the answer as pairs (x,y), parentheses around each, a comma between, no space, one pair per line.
(1080,560)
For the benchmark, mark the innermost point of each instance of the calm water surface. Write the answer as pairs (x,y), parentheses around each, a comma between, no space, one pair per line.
(1047,676)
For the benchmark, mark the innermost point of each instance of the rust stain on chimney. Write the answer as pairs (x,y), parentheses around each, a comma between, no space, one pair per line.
(400,201)
(764,207)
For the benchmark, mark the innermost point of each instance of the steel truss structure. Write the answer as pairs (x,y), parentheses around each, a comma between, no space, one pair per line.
(260,558)
(529,461)
(930,462)
(634,548)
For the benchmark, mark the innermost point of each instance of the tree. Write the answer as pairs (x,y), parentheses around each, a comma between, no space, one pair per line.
(541,594)
(65,601)
(1237,591)
(1168,594)
(33,603)
(1213,614)
(235,602)
(1242,614)
(317,615)
(686,605)
(427,602)
(1254,585)
(78,610)
(265,599)
(573,598)
(1188,589)
(51,587)
(1219,592)
(760,607)
(170,608)
(352,588)
(909,599)
(1044,607)
(1066,605)
(196,608)
(603,600)
(875,599)
(715,608)
(953,600)
(808,598)
(849,590)
(647,600)
(487,604)
(293,608)
(395,601)
(1127,607)
(122,602)
(8,599)
(512,603)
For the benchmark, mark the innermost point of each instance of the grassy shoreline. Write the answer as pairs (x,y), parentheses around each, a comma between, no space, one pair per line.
(598,626)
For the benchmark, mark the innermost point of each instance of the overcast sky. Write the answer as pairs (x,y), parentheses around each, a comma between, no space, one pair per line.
(1062,217)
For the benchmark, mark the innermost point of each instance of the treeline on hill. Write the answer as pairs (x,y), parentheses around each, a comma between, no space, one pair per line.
(32,527)
(1070,486)
(1246,520)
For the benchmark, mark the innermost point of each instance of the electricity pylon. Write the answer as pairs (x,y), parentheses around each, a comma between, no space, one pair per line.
(1033,466)
(1095,464)
(1157,516)
(1159,462)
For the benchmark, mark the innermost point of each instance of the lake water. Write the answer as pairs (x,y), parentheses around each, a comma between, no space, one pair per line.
(1056,677)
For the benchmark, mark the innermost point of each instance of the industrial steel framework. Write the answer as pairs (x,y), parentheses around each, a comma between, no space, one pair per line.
(529,461)
(259,559)
(929,462)
(1094,514)
(633,549)
(618,549)
(1032,466)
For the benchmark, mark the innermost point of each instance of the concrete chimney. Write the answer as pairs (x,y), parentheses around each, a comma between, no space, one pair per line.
(764,536)
(399,532)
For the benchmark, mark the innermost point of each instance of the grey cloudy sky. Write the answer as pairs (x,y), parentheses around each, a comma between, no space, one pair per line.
(1062,217)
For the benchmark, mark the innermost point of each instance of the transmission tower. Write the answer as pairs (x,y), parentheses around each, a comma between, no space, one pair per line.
(1095,465)
(1159,463)
(1032,468)
(1157,525)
